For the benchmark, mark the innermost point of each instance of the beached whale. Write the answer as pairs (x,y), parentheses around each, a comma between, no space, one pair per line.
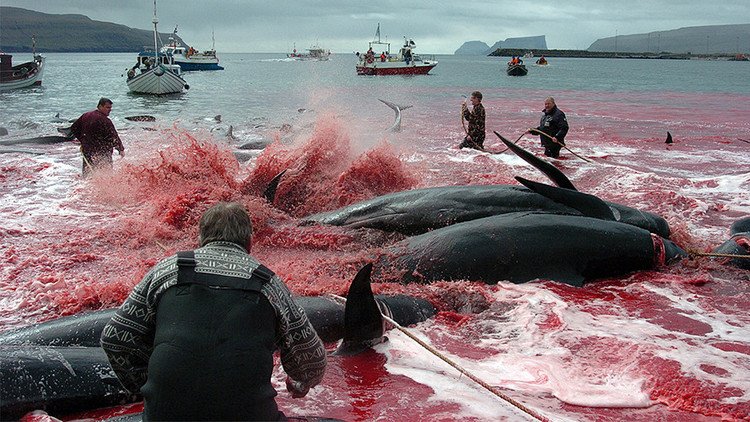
(738,243)
(421,210)
(525,246)
(59,367)
(418,211)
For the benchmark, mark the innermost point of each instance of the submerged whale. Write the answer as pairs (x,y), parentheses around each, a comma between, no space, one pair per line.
(59,367)
(525,246)
(52,139)
(738,243)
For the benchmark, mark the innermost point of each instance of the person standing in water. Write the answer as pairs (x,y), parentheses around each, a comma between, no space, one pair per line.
(475,132)
(98,137)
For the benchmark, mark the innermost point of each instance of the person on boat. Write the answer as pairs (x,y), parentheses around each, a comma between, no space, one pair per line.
(475,132)
(197,335)
(98,137)
(382,56)
(541,60)
(553,126)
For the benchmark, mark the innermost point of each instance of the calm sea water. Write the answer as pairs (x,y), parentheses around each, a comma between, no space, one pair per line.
(267,86)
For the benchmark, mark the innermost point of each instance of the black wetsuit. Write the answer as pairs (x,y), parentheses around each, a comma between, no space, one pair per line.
(213,349)
(553,124)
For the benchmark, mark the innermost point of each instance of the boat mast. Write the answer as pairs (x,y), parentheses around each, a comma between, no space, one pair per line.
(156,46)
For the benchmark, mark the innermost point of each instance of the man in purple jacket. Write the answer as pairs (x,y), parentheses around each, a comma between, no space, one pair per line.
(98,137)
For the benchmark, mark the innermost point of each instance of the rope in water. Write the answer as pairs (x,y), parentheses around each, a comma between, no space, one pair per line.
(718,255)
(437,353)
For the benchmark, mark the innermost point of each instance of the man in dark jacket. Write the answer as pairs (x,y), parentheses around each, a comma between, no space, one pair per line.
(197,335)
(98,137)
(553,127)
(475,133)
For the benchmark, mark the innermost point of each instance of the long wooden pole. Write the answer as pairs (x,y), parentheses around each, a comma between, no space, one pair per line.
(558,143)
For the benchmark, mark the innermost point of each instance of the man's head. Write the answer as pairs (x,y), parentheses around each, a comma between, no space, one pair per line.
(549,104)
(476,97)
(105,106)
(226,221)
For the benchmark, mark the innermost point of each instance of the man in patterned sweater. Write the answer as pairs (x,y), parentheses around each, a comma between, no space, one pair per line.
(197,335)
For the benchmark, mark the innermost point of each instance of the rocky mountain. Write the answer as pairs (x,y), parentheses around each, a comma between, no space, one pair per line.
(538,42)
(714,39)
(68,33)
(472,48)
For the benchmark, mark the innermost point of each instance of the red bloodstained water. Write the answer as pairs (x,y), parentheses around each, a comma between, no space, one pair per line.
(664,344)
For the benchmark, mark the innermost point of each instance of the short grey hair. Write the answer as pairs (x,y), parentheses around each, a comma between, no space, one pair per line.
(228,222)
(552,99)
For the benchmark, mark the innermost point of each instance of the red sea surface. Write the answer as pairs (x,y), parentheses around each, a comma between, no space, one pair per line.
(671,344)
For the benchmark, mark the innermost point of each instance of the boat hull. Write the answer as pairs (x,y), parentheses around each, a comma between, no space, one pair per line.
(385,69)
(189,66)
(157,81)
(32,75)
(517,70)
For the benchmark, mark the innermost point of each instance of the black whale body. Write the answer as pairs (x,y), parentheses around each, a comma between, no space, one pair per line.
(59,367)
(421,210)
(525,246)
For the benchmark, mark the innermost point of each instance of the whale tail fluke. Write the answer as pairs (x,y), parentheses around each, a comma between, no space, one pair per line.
(396,127)
(553,173)
(363,322)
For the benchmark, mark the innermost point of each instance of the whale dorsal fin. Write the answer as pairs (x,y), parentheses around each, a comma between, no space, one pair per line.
(363,322)
(556,176)
(588,205)
(270,192)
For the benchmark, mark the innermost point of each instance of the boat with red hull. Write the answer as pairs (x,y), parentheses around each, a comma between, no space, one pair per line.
(405,62)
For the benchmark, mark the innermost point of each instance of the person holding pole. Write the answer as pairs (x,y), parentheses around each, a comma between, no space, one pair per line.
(553,126)
(475,133)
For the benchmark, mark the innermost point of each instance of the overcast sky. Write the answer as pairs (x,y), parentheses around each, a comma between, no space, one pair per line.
(437,26)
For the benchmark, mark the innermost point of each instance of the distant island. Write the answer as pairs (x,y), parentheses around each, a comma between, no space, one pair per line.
(715,41)
(480,48)
(68,33)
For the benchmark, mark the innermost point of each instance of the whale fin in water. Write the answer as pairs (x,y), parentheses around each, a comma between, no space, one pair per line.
(669,138)
(588,205)
(270,192)
(553,173)
(396,127)
(363,322)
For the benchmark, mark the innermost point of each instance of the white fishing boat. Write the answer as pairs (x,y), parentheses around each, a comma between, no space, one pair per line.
(378,59)
(22,75)
(315,52)
(190,59)
(155,73)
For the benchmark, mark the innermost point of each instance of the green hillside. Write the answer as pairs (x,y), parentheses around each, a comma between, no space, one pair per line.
(68,33)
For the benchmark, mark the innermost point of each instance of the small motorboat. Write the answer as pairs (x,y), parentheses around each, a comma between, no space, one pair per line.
(22,75)
(517,70)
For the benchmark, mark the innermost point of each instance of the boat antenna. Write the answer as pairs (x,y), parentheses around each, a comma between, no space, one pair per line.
(377,33)
(156,45)
(213,40)
(33,45)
